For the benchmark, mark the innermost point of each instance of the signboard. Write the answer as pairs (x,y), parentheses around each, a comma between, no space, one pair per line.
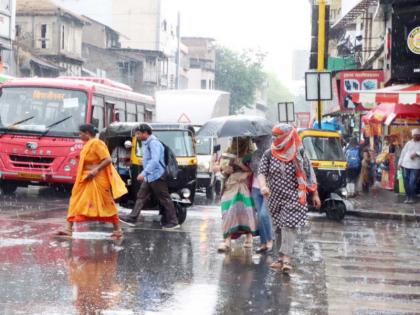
(318,86)
(354,81)
(4,26)
(303,120)
(286,112)
(184,119)
(5,7)
(402,58)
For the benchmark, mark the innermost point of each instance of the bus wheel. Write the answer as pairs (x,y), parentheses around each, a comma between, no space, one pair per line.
(8,188)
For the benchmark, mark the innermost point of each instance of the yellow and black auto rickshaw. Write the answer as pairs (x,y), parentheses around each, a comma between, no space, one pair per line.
(327,158)
(180,138)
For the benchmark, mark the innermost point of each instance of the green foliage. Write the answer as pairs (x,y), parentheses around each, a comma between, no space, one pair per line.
(241,74)
(277,92)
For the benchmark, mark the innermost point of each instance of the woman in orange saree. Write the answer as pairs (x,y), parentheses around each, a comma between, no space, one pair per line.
(97,185)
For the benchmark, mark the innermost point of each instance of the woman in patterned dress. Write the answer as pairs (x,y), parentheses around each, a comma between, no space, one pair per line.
(238,213)
(286,176)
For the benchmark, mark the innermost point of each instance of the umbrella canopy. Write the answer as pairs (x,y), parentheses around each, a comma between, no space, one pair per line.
(236,126)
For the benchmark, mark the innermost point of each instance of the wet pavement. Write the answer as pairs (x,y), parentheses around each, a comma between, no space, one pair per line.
(360,266)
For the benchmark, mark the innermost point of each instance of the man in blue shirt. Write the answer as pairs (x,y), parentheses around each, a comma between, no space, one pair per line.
(153,179)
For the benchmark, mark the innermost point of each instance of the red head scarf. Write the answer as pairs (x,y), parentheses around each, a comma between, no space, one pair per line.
(286,142)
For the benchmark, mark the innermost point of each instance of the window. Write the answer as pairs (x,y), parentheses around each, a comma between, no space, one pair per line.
(119,108)
(43,36)
(98,112)
(140,113)
(18,30)
(98,117)
(131,112)
(62,37)
(204,84)
(320,148)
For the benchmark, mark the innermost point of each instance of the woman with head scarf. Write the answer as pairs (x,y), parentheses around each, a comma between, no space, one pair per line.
(236,203)
(264,220)
(286,177)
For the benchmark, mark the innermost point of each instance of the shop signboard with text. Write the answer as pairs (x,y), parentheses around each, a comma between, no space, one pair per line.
(350,82)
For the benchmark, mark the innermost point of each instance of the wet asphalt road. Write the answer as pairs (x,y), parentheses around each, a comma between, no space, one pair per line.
(362,266)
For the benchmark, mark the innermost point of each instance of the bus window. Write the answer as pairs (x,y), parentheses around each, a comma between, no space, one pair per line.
(119,108)
(109,114)
(98,117)
(140,112)
(148,115)
(131,112)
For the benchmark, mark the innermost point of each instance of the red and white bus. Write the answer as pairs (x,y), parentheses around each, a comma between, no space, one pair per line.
(39,121)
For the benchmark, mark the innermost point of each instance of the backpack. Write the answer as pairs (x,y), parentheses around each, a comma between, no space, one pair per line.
(353,158)
(171,164)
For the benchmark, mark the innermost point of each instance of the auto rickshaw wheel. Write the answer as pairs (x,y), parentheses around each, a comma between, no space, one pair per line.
(181,213)
(335,210)
(210,193)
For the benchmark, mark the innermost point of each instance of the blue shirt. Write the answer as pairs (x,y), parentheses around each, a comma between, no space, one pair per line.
(153,159)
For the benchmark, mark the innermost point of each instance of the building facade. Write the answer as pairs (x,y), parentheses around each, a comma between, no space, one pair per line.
(52,34)
(7,34)
(202,61)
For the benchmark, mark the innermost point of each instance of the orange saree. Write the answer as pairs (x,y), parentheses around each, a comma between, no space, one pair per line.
(93,200)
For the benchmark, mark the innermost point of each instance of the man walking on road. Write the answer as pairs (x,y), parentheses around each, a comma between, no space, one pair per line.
(152,179)
(410,162)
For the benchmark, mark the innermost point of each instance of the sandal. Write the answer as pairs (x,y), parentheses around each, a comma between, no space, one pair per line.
(223,248)
(287,267)
(64,233)
(117,234)
(248,243)
(278,264)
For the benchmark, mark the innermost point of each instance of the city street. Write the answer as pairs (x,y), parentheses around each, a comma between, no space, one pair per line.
(361,266)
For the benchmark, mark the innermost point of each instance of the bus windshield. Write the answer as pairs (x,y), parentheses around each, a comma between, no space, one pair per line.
(323,149)
(180,142)
(40,110)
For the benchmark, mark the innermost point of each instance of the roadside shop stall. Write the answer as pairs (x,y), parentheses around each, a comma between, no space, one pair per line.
(395,112)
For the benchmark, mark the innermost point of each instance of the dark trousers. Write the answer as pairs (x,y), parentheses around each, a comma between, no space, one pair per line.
(159,189)
(411,177)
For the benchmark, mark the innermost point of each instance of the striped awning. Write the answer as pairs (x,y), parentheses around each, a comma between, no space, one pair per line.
(408,94)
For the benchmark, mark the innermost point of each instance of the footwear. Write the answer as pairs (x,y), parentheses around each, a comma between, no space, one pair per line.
(171,226)
(63,233)
(128,220)
(223,248)
(287,267)
(261,250)
(117,234)
(409,201)
(278,264)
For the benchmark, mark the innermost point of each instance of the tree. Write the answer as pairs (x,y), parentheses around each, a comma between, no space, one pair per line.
(277,92)
(241,74)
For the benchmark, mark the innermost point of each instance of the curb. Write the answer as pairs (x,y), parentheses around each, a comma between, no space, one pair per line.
(371,214)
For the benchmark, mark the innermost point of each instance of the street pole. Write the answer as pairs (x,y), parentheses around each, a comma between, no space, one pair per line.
(321,53)
(178,52)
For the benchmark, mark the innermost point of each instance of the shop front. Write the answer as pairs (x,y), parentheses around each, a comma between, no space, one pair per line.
(388,124)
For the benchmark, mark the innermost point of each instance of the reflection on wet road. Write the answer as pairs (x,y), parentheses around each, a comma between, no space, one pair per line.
(359,267)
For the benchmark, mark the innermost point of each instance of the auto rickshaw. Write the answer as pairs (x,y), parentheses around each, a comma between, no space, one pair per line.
(180,139)
(329,163)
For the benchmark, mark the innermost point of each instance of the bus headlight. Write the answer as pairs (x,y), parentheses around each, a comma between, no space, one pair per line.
(186,193)
(67,168)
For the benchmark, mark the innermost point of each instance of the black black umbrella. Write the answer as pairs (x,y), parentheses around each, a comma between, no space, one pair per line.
(236,126)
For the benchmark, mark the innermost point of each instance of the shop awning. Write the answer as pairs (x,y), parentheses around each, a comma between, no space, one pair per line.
(387,112)
(408,94)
